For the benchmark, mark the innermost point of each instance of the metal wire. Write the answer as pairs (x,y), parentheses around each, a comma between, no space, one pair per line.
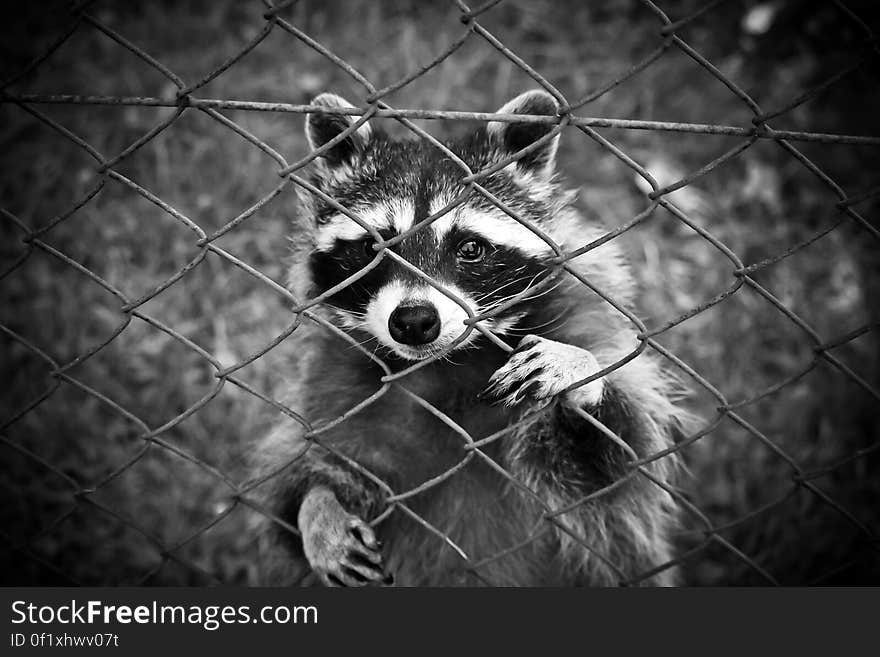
(186,101)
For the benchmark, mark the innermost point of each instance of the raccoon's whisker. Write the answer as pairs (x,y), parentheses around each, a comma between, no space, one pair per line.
(513,282)
(348,331)
(507,284)
(506,324)
(361,343)
(449,360)
(504,300)
(528,329)
(530,285)
(545,328)
(524,299)
(542,292)
(378,346)
(340,309)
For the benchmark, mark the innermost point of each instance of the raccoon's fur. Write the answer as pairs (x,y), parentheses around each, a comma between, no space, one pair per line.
(332,484)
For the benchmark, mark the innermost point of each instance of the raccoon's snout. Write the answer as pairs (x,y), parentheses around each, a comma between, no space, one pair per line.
(414,325)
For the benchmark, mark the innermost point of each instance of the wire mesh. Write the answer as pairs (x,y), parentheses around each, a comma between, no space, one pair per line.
(183,99)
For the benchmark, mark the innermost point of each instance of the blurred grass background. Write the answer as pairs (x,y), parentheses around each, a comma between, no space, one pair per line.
(758,204)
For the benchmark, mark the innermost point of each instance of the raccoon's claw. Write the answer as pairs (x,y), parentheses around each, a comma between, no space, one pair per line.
(341,548)
(540,368)
(351,558)
(364,532)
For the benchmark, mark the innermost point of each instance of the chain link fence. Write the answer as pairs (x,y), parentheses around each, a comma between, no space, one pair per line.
(55,496)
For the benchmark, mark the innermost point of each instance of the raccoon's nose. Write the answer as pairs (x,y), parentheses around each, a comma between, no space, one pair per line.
(414,325)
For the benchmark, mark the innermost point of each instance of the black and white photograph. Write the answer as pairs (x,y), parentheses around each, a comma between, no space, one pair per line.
(408,293)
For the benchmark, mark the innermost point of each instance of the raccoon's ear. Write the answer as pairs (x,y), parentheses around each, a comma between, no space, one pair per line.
(321,128)
(513,137)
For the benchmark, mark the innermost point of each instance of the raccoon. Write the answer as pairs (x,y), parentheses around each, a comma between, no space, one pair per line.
(487,517)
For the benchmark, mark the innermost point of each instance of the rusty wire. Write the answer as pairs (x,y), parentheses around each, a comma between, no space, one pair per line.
(241,493)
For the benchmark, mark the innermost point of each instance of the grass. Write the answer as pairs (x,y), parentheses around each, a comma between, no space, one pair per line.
(758,204)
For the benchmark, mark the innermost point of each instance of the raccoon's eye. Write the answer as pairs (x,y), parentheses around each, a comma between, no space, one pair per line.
(471,250)
(368,248)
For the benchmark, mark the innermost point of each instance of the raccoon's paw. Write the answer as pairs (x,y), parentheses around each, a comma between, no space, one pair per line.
(540,368)
(341,548)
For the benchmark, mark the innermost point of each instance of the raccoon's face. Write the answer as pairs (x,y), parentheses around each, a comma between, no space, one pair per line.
(477,257)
